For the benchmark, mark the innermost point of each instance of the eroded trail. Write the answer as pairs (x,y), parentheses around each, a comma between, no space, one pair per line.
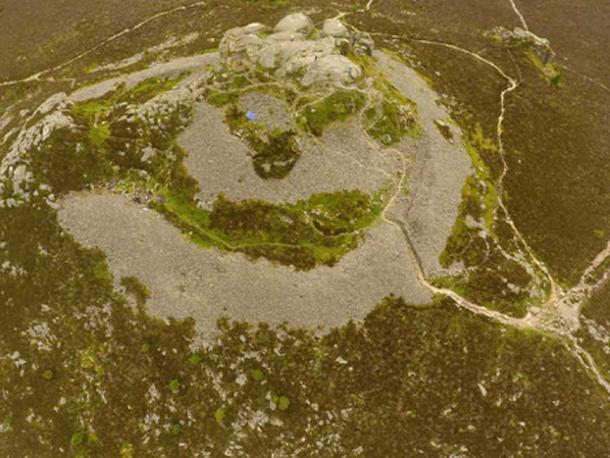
(399,224)
(518,13)
(587,361)
(560,314)
(37,76)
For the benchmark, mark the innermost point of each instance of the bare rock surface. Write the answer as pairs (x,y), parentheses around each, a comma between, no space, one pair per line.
(342,159)
(269,111)
(17,184)
(188,281)
(296,22)
(440,170)
(331,69)
(520,37)
(335,28)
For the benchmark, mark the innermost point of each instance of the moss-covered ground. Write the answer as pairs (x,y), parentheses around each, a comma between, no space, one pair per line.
(104,145)
(319,230)
(550,70)
(340,105)
(393,115)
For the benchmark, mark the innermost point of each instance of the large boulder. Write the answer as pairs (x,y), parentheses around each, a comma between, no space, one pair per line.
(363,43)
(275,54)
(238,42)
(332,69)
(286,36)
(297,63)
(291,51)
(335,28)
(291,57)
(296,22)
(256,27)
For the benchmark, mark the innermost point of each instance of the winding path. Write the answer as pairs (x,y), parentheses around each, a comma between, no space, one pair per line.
(37,76)
(518,13)
(559,316)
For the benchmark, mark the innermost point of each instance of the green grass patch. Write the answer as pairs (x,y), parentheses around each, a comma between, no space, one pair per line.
(94,110)
(147,89)
(337,106)
(396,115)
(99,134)
(475,242)
(83,443)
(479,203)
(389,122)
(222,98)
(240,85)
(551,71)
(476,143)
(319,230)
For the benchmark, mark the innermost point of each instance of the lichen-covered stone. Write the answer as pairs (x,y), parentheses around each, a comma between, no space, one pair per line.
(297,22)
(334,69)
(335,28)
(290,53)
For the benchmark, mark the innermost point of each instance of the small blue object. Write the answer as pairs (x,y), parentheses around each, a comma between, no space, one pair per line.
(251,116)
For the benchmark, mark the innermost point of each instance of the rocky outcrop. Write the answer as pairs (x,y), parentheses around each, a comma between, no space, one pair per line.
(331,69)
(16,179)
(295,49)
(520,37)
